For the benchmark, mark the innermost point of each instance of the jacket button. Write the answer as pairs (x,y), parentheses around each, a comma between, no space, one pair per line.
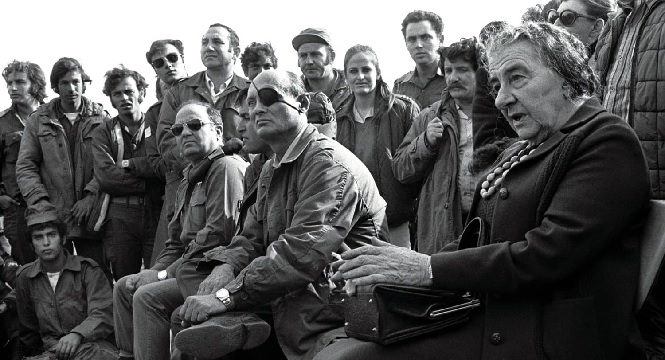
(503,193)
(495,339)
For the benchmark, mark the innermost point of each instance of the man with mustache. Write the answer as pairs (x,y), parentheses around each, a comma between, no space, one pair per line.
(423,35)
(130,179)
(315,59)
(438,150)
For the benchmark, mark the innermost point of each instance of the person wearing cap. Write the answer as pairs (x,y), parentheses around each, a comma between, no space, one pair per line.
(315,59)
(55,162)
(423,35)
(322,115)
(314,198)
(167,58)
(256,58)
(64,301)
(126,159)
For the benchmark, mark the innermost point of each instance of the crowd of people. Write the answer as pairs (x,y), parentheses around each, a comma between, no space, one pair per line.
(235,217)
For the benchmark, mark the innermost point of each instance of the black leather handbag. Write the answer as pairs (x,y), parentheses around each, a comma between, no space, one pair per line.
(389,313)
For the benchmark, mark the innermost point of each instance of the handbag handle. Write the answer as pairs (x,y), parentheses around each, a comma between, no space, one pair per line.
(472,303)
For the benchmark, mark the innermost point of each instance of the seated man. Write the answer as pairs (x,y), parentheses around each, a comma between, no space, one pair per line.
(314,197)
(205,205)
(8,315)
(64,300)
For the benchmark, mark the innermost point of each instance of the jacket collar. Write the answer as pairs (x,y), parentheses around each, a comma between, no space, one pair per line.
(72,263)
(199,84)
(88,108)
(338,84)
(411,74)
(299,146)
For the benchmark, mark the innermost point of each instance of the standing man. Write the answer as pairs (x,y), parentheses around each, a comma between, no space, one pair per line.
(315,59)
(131,181)
(167,58)
(438,149)
(206,203)
(26,86)
(55,163)
(256,58)
(64,300)
(314,197)
(423,34)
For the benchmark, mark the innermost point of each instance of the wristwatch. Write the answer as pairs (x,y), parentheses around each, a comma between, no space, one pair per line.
(224,296)
(162,275)
(124,163)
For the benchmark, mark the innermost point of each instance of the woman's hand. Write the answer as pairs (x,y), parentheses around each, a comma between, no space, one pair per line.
(383,263)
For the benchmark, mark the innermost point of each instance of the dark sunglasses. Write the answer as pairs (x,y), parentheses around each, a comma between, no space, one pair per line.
(567,17)
(158,63)
(269,96)
(194,125)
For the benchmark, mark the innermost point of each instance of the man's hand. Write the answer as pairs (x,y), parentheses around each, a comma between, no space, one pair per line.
(142,278)
(383,263)
(3,307)
(67,346)
(218,278)
(83,208)
(6,201)
(434,131)
(199,308)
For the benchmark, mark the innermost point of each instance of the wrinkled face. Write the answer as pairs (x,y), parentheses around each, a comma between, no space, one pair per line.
(70,89)
(216,49)
(197,144)
(127,98)
(18,87)
(361,74)
(251,142)
(530,95)
(276,120)
(257,67)
(422,42)
(169,71)
(583,28)
(47,244)
(461,79)
(314,60)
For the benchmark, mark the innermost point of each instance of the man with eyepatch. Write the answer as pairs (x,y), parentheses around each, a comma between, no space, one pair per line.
(205,206)
(314,198)
(630,67)
(167,58)
(583,18)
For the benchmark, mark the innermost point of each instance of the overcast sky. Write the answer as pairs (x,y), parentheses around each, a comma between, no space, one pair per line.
(103,34)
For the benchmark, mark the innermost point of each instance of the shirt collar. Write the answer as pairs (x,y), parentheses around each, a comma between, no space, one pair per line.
(71,263)
(211,85)
(287,154)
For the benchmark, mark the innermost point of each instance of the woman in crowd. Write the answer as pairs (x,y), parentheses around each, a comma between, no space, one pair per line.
(557,272)
(372,125)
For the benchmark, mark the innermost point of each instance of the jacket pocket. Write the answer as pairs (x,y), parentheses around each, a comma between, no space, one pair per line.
(197,208)
(570,330)
(12,144)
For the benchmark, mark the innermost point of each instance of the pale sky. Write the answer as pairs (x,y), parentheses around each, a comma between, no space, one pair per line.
(103,34)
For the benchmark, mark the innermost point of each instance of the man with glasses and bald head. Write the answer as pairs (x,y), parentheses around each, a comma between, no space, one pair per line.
(205,207)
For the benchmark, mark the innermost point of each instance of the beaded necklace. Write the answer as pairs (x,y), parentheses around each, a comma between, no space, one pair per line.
(495,178)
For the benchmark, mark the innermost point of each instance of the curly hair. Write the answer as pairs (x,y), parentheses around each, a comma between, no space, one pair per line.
(62,67)
(255,52)
(158,45)
(34,74)
(557,49)
(116,75)
(421,15)
(468,50)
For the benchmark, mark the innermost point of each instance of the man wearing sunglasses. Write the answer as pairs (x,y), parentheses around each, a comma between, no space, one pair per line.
(583,18)
(206,203)
(314,198)
(630,67)
(167,58)
(218,86)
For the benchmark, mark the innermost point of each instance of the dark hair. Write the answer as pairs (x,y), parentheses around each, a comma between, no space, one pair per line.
(234,40)
(468,50)
(381,85)
(214,114)
(116,75)
(60,226)
(557,49)
(255,52)
(420,15)
(241,96)
(34,74)
(62,67)
(159,45)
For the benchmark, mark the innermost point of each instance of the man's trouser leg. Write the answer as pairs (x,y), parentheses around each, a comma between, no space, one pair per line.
(16,231)
(162,233)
